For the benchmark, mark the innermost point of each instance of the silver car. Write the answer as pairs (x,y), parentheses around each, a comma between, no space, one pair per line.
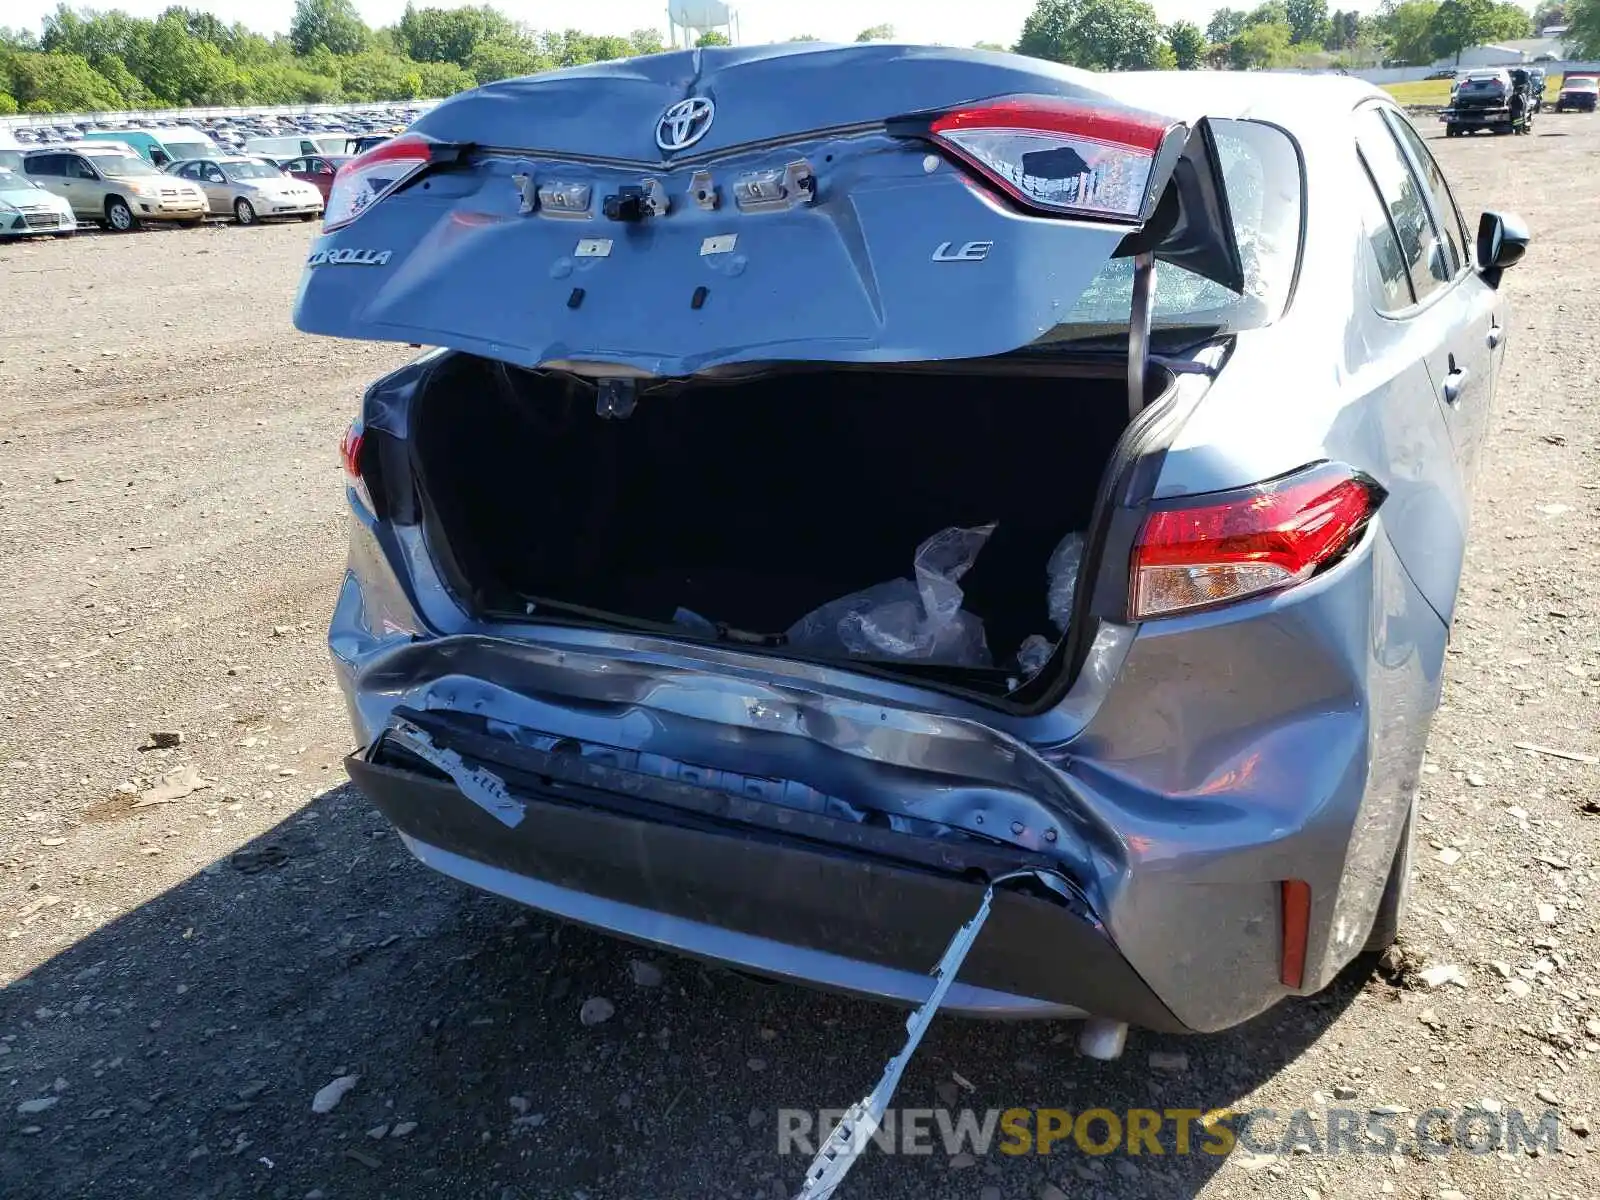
(852,478)
(249,189)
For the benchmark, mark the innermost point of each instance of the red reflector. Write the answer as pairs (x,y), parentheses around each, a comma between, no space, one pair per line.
(1268,537)
(350,450)
(1296,903)
(1060,155)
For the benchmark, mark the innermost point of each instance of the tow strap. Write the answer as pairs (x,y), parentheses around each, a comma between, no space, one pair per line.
(861,1121)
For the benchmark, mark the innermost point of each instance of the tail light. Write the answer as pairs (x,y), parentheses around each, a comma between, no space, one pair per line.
(350,455)
(1262,539)
(368,178)
(1062,156)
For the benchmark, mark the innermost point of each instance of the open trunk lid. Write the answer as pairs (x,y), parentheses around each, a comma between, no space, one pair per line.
(682,211)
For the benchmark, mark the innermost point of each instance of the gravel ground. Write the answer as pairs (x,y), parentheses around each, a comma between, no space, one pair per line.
(183,975)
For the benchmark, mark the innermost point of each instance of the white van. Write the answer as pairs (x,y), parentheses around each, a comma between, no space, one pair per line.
(297,145)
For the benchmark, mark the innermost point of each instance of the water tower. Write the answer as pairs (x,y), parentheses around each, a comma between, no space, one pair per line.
(688,20)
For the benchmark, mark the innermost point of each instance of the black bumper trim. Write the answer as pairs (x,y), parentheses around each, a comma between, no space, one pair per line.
(874,912)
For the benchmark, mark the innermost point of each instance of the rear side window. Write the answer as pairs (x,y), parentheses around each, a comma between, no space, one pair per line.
(1261,175)
(44,164)
(1444,204)
(1427,256)
(1390,280)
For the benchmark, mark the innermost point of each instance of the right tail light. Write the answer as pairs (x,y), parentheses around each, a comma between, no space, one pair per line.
(1216,550)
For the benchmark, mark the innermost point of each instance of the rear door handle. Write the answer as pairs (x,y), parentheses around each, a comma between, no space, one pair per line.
(1454,383)
(1496,334)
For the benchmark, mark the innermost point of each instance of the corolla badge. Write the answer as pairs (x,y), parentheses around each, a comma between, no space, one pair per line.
(349,256)
(685,123)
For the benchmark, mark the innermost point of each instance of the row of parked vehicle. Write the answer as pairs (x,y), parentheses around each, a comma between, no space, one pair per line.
(123,178)
(232,133)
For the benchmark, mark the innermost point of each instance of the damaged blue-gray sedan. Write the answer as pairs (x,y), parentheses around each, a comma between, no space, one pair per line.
(845,477)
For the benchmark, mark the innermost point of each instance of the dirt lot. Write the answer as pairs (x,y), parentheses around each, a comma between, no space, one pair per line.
(171,531)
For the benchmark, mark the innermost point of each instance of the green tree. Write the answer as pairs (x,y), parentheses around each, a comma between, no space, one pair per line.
(805,37)
(1308,20)
(1344,30)
(8,104)
(1407,30)
(1458,24)
(988,46)
(333,24)
(876,33)
(1188,44)
(1584,18)
(1050,31)
(453,35)
(1551,12)
(647,41)
(1225,25)
(438,80)
(713,37)
(1261,47)
(374,75)
(57,82)
(500,60)
(1272,12)
(1507,22)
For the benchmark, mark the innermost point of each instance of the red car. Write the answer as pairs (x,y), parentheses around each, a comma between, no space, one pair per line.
(316,169)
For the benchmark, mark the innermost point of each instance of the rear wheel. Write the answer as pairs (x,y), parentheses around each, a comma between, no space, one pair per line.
(244,212)
(1397,891)
(119,216)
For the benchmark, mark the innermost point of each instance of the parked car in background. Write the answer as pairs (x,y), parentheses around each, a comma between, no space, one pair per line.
(366,141)
(1180,676)
(1578,93)
(113,186)
(27,209)
(283,147)
(316,169)
(250,189)
(160,147)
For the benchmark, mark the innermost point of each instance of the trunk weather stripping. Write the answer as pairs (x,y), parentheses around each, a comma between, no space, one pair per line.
(861,1120)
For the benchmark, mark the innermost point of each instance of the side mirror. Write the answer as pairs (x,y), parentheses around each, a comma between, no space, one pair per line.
(1502,241)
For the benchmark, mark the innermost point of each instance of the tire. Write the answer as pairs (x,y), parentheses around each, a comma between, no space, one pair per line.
(119,217)
(244,212)
(1397,890)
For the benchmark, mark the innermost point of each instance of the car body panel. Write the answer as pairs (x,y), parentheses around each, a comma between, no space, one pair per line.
(1192,765)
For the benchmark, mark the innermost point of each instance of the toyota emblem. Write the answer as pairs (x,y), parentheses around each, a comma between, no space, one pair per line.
(685,123)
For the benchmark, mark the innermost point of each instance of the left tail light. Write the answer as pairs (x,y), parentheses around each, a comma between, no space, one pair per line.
(368,178)
(1216,550)
(1062,156)
(350,446)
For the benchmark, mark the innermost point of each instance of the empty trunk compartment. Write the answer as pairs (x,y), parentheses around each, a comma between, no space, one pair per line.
(753,501)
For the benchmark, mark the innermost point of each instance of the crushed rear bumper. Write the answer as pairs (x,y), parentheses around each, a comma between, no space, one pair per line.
(846,918)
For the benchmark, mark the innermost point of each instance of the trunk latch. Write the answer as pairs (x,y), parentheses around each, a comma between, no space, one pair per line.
(633,202)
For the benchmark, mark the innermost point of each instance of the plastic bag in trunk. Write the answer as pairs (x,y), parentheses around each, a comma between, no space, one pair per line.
(904,619)
(1061,572)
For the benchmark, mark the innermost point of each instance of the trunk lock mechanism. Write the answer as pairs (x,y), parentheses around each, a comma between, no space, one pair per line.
(616,399)
(633,202)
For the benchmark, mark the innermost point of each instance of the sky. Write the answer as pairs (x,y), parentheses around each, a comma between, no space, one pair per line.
(949,22)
